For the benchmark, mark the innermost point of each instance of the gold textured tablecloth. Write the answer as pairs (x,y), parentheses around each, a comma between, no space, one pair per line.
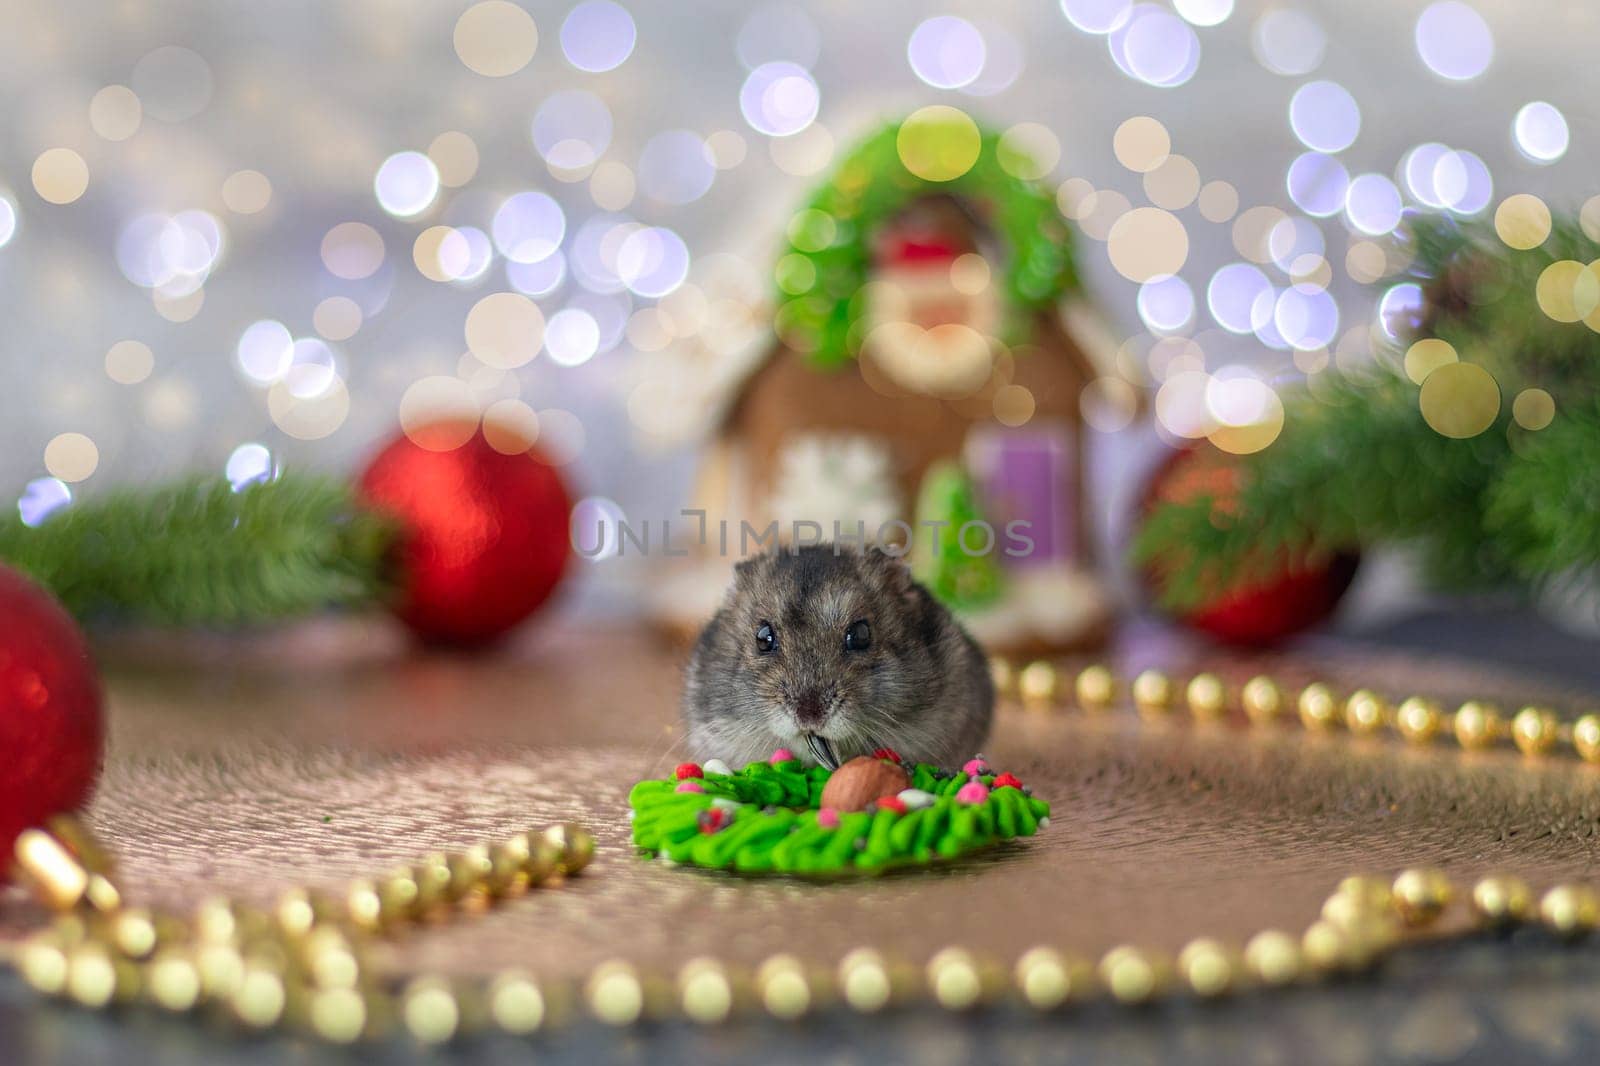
(327,753)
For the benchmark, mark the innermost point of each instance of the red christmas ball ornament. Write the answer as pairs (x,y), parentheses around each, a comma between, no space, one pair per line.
(484,537)
(51,728)
(1263,610)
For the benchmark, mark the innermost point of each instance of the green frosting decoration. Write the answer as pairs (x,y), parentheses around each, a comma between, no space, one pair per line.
(961,578)
(765,818)
(828,251)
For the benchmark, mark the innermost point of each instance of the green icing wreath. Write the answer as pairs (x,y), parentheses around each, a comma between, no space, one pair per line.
(766,818)
(826,257)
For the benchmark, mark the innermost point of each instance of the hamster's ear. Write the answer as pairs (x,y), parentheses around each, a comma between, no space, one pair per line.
(744,571)
(896,574)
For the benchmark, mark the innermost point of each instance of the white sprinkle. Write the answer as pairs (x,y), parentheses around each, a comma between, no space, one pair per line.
(715,766)
(1044,823)
(724,803)
(916,798)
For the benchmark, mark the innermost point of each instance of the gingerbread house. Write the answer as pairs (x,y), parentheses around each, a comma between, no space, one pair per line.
(913,373)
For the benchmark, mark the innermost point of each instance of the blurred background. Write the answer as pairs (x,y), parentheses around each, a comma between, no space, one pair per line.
(236,237)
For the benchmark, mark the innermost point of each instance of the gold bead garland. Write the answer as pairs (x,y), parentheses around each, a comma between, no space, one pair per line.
(301,963)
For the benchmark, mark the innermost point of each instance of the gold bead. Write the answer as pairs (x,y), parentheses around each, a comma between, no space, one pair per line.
(576,844)
(1421,895)
(1002,677)
(1476,725)
(1326,947)
(1502,899)
(704,991)
(1262,700)
(516,1003)
(469,869)
(954,979)
(1318,708)
(1207,966)
(432,876)
(1364,712)
(431,1010)
(1152,693)
(1273,958)
(1418,719)
(1586,737)
(508,862)
(1373,893)
(337,1015)
(1047,978)
(544,859)
(58,876)
(42,961)
(364,905)
(329,958)
(397,896)
(260,998)
(221,969)
(1038,684)
(1534,730)
(172,980)
(1095,688)
(133,932)
(1131,974)
(94,977)
(1206,696)
(865,981)
(614,993)
(298,911)
(783,987)
(1570,910)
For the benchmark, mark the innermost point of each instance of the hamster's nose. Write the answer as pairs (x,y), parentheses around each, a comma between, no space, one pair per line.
(809,709)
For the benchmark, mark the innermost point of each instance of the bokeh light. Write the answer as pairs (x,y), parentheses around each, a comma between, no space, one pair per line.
(246,192)
(1141,143)
(597,36)
(249,464)
(455,156)
(115,112)
(406,184)
(1240,298)
(1522,221)
(352,250)
(1540,132)
(505,330)
(572,129)
(1373,204)
(1204,12)
(652,261)
(946,52)
(1318,184)
(1156,47)
(938,143)
(42,498)
(495,38)
(572,337)
(539,278)
(1459,400)
(1453,40)
(1288,41)
(1147,242)
(1324,116)
(1166,304)
(676,167)
(265,351)
(779,99)
(1097,16)
(1306,317)
(172,83)
(8,219)
(60,175)
(129,362)
(528,227)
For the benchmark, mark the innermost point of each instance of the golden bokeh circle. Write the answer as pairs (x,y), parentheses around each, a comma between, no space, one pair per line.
(352,251)
(510,426)
(1253,436)
(938,143)
(1459,400)
(1219,201)
(1522,221)
(805,153)
(1028,150)
(1013,405)
(505,330)
(337,318)
(71,457)
(1141,143)
(455,156)
(1366,262)
(246,192)
(308,417)
(1533,409)
(1173,184)
(60,175)
(612,185)
(425,252)
(115,112)
(1428,355)
(439,413)
(1252,232)
(129,362)
(1589,218)
(1147,242)
(1568,291)
(495,38)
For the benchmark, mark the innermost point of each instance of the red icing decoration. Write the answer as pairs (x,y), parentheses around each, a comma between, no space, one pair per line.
(1007,780)
(887,753)
(485,536)
(688,769)
(51,728)
(892,803)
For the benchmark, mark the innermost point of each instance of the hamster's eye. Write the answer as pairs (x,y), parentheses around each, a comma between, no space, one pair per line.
(766,639)
(858,637)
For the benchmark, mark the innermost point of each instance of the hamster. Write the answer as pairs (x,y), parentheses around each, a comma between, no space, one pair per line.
(833,652)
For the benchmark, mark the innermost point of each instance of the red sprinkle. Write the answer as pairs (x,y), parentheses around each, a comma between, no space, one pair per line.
(688,769)
(891,803)
(713,819)
(1007,780)
(887,753)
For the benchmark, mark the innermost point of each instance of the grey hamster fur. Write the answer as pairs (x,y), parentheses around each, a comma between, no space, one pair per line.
(920,685)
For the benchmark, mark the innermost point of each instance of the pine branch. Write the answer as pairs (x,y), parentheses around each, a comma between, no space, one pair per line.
(1547,499)
(198,553)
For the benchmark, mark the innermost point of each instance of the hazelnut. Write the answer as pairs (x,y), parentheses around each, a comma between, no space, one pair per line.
(861,781)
